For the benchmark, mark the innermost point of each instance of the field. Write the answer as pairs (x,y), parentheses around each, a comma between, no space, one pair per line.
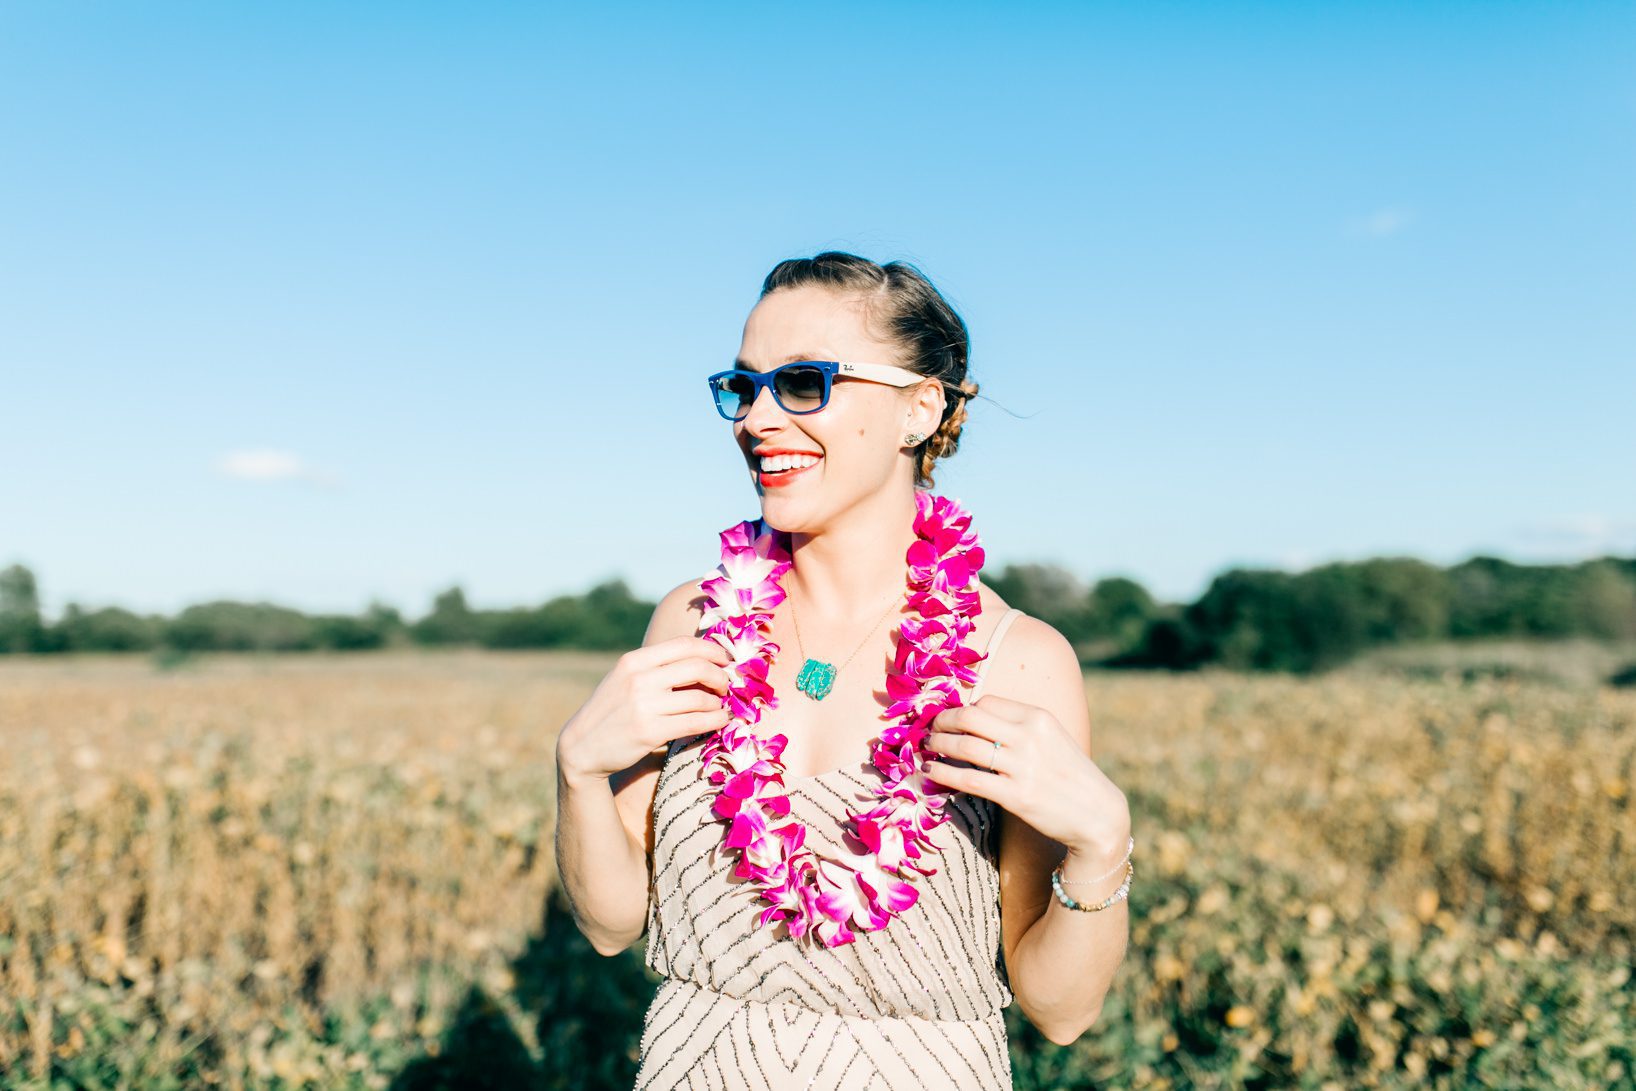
(336,872)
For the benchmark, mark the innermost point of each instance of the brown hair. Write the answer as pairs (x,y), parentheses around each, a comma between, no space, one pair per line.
(899,300)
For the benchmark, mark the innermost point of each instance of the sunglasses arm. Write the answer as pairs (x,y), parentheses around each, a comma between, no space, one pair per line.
(880,373)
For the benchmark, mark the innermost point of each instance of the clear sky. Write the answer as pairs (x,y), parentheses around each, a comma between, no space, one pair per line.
(319,303)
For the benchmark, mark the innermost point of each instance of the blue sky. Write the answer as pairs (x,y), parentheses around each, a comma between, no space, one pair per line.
(317,304)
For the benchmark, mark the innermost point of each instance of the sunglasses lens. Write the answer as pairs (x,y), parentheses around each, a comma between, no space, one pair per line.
(800,388)
(734,393)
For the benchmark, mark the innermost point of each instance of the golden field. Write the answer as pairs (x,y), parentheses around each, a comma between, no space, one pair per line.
(335,871)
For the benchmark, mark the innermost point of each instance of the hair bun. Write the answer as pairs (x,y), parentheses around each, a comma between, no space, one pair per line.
(946,440)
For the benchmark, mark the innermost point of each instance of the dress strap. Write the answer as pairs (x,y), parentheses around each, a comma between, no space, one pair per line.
(993,642)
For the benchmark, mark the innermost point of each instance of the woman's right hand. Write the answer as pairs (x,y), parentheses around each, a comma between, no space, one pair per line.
(654,694)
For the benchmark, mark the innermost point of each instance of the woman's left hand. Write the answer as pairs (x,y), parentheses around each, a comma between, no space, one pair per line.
(1039,773)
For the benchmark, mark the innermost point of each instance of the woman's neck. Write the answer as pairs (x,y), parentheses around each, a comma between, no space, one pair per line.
(849,571)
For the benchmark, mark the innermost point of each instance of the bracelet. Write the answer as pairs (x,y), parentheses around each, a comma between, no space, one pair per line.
(1062,895)
(1084,882)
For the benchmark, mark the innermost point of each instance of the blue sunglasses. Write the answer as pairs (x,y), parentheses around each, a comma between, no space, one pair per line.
(801,387)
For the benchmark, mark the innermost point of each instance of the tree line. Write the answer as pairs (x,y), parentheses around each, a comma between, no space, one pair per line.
(1248,618)
(1266,619)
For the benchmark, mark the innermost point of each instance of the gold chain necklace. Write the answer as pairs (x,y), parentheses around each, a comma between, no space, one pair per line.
(817,678)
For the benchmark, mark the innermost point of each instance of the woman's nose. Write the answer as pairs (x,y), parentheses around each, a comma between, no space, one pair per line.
(763,409)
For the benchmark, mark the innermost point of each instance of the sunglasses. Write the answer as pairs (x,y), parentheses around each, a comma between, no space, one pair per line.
(799,387)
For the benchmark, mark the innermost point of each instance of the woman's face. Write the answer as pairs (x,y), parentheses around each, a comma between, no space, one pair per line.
(858,436)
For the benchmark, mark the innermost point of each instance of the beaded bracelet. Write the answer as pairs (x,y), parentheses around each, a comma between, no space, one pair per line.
(1062,895)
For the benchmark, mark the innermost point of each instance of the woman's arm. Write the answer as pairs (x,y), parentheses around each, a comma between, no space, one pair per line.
(603,868)
(604,834)
(1060,961)
(1063,965)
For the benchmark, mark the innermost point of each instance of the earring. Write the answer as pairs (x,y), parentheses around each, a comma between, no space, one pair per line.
(913,438)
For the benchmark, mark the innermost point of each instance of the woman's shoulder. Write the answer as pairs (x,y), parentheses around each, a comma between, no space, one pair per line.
(1029,652)
(678,613)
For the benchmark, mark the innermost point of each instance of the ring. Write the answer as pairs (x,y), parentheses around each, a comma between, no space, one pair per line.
(991,768)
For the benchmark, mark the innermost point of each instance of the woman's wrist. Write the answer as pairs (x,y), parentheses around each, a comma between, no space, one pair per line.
(571,776)
(1079,863)
(1096,865)
(1097,851)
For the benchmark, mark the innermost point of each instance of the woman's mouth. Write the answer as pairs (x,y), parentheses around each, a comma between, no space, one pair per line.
(774,479)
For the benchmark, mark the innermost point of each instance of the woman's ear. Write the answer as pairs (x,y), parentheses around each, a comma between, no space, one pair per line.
(925,408)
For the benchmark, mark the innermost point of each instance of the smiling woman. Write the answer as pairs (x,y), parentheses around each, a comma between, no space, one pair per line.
(853,856)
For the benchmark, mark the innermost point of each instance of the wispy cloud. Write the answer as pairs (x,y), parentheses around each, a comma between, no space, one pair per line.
(1581,535)
(269,465)
(1383,221)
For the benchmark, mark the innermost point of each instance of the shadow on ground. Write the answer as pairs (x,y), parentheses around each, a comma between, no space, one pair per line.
(587,1011)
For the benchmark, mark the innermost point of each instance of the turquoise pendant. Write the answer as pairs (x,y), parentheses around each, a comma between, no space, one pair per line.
(815,679)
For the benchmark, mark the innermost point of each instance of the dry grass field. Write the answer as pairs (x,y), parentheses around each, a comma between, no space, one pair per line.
(336,872)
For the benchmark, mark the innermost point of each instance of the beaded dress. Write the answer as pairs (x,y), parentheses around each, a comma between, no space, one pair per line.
(913,1005)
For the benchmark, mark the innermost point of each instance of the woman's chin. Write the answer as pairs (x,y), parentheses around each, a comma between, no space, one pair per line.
(783,512)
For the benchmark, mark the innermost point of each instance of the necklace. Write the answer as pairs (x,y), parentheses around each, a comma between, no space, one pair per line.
(817,677)
(886,845)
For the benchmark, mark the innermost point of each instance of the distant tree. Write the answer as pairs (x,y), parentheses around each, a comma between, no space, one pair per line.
(614,618)
(1549,600)
(1486,598)
(109,629)
(1344,608)
(450,622)
(607,617)
(1493,597)
(386,620)
(1328,618)
(1270,620)
(1170,642)
(1408,599)
(20,627)
(1605,600)
(558,623)
(343,632)
(1119,610)
(240,626)
(1244,620)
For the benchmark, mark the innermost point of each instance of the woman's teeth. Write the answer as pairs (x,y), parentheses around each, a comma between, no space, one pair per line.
(781,470)
(787,462)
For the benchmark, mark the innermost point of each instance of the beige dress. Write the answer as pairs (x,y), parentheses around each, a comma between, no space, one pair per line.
(913,1005)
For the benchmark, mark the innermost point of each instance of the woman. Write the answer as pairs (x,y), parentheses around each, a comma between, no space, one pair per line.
(816,929)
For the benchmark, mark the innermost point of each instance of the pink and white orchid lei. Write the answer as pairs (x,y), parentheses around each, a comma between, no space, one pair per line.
(891,840)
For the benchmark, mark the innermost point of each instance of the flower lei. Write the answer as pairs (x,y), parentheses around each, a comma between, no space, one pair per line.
(889,842)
